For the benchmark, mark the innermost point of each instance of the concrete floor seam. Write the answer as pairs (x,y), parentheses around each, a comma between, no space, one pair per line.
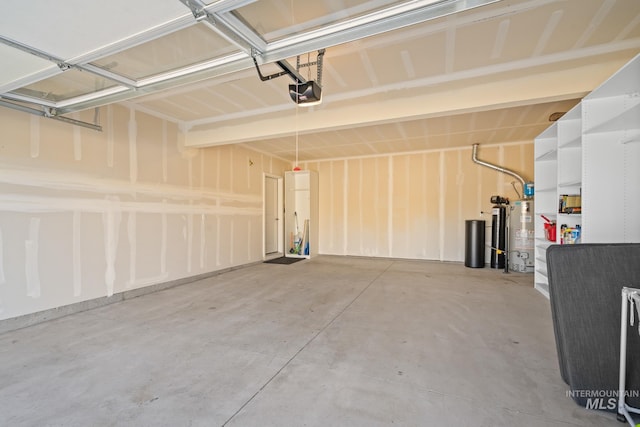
(324,328)
(335,341)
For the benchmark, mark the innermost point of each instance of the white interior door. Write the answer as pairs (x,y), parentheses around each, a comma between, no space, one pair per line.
(271,215)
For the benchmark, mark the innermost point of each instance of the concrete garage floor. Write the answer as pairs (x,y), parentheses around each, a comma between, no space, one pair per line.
(331,341)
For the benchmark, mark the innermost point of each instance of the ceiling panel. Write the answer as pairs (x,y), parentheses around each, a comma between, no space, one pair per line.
(215,102)
(276,19)
(620,21)
(483,36)
(427,54)
(526,30)
(173,109)
(65,85)
(391,65)
(424,50)
(72,28)
(181,48)
(349,70)
(572,24)
(489,127)
(18,66)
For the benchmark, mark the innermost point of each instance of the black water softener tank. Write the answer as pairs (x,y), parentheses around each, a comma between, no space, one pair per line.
(474,244)
(498,231)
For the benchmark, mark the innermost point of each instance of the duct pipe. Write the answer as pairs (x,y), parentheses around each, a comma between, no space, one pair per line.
(474,157)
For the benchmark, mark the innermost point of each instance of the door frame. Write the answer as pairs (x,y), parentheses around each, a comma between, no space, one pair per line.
(280,202)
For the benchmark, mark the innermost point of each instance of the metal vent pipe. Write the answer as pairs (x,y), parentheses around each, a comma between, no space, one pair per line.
(474,157)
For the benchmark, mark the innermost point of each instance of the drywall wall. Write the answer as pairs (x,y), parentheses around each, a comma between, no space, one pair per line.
(86,214)
(412,205)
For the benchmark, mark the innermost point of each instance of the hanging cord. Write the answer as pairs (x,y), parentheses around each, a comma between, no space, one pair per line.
(634,297)
(297,136)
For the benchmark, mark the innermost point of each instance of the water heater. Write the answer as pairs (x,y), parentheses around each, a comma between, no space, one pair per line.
(521,236)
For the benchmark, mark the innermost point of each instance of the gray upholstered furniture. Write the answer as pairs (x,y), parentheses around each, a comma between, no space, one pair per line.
(585,283)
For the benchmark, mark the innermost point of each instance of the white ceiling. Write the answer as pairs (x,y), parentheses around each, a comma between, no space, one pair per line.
(486,74)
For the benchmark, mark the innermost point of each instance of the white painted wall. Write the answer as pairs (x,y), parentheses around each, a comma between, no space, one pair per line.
(87,214)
